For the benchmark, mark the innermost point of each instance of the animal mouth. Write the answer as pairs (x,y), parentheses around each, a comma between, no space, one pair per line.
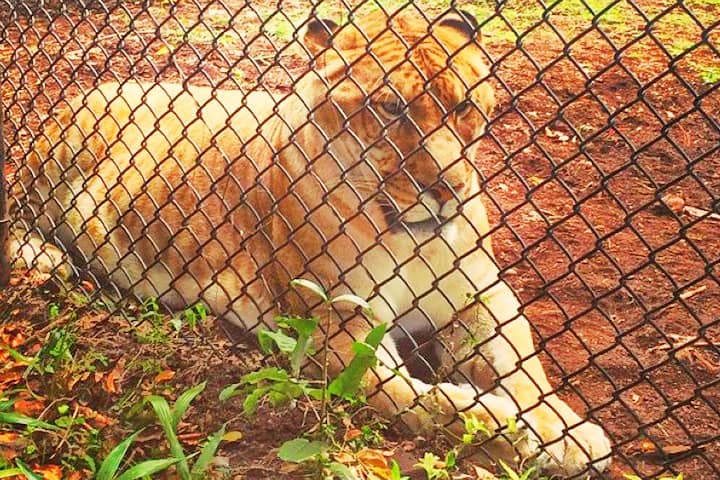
(396,222)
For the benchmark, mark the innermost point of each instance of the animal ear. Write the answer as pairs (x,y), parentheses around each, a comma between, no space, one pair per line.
(317,34)
(463,21)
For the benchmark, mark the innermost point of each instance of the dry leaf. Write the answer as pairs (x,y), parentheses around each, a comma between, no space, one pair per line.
(8,379)
(93,417)
(49,472)
(10,439)
(482,474)
(164,376)
(345,458)
(232,436)
(535,180)
(372,458)
(675,449)
(646,446)
(8,454)
(675,203)
(113,378)
(351,434)
(30,408)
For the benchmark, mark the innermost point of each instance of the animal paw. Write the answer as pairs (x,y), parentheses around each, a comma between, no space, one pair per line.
(43,257)
(584,447)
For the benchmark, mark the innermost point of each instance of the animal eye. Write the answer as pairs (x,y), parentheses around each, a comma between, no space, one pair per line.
(463,107)
(393,108)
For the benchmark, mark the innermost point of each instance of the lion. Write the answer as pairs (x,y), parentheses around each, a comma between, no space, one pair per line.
(361,179)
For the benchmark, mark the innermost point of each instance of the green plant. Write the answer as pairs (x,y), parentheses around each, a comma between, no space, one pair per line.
(510,474)
(293,342)
(20,469)
(150,325)
(192,317)
(709,74)
(395,472)
(435,468)
(110,466)
(169,418)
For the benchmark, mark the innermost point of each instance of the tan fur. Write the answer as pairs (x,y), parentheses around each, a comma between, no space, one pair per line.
(195,194)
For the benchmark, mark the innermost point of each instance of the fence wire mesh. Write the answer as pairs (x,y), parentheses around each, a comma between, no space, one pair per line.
(185,151)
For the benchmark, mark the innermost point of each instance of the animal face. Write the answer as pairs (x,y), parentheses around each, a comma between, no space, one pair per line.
(411,99)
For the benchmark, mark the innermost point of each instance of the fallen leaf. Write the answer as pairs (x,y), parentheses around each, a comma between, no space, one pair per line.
(164,376)
(49,472)
(535,181)
(286,468)
(482,474)
(372,458)
(675,203)
(112,379)
(352,433)
(8,454)
(9,379)
(345,458)
(72,381)
(646,446)
(192,438)
(30,408)
(93,417)
(88,286)
(10,439)
(232,436)
(675,449)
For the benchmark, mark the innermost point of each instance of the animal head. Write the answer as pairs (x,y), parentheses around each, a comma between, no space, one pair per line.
(405,101)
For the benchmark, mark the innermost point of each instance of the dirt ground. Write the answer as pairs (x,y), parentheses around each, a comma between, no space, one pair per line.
(601,166)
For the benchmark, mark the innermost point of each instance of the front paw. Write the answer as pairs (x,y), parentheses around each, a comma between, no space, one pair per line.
(568,452)
(41,256)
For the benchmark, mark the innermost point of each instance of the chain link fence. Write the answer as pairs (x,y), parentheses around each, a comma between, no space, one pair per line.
(185,151)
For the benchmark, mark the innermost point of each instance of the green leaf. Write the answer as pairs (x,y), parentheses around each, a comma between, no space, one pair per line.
(526,474)
(29,474)
(354,299)
(229,392)
(165,417)
(509,472)
(341,472)
(451,459)
(266,343)
(251,401)
(348,382)
(511,425)
(19,419)
(312,286)
(273,374)
(207,454)
(183,402)
(10,472)
(147,468)
(395,472)
(303,326)
(376,335)
(299,450)
(112,462)
(19,357)
(630,476)
(285,343)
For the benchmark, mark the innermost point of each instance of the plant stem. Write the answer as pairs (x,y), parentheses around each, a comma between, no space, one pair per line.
(323,405)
